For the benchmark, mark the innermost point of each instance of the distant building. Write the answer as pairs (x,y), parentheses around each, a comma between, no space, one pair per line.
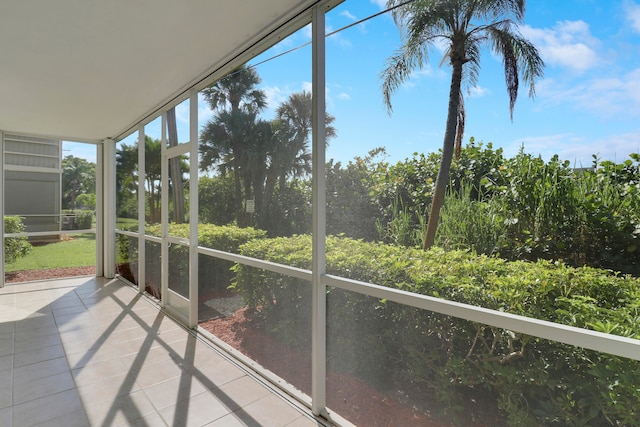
(33,174)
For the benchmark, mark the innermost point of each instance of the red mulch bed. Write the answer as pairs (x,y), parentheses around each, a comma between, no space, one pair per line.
(52,273)
(348,396)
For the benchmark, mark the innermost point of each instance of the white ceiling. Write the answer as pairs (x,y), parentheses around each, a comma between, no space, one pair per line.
(90,69)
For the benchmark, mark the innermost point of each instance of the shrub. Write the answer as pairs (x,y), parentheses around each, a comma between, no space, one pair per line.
(351,211)
(214,274)
(532,381)
(84,219)
(15,247)
(86,201)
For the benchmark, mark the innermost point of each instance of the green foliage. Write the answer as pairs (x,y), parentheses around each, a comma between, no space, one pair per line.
(406,186)
(532,381)
(472,222)
(216,200)
(86,201)
(581,216)
(350,209)
(84,219)
(127,181)
(519,208)
(288,210)
(214,274)
(78,178)
(15,247)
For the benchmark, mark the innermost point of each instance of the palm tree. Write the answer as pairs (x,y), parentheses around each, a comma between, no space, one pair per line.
(236,91)
(292,130)
(227,137)
(464,26)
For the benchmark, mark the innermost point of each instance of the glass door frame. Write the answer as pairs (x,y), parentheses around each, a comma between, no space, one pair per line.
(186,309)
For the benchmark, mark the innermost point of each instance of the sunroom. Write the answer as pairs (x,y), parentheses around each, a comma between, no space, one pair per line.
(240,279)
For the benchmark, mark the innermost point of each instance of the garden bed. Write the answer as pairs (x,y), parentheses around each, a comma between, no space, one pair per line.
(48,274)
(359,402)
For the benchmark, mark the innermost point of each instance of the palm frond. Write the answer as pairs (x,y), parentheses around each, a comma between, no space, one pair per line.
(520,58)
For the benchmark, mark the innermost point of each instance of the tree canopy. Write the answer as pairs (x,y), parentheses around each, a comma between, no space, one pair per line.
(464,27)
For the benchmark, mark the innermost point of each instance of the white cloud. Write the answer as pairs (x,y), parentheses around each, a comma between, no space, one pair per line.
(382,4)
(424,72)
(306,31)
(337,38)
(275,95)
(568,44)
(537,144)
(478,92)
(427,72)
(632,11)
(344,96)
(182,112)
(613,147)
(605,97)
(348,15)
(204,112)
(579,150)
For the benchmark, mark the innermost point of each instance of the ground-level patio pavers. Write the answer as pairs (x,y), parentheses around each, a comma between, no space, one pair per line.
(94,352)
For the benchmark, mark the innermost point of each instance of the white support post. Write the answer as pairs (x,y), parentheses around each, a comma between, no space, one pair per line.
(141,208)
(2,208)
(164,215)
(319,297)
(109,207)
(100,215)
(193,209)
(60,189)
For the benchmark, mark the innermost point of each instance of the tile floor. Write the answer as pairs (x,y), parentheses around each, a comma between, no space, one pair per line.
(93,352)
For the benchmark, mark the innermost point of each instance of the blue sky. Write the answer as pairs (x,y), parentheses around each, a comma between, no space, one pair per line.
(587,103)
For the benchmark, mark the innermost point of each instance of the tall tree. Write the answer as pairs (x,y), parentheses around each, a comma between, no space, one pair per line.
(290,153)
(289,157)
(227,138)
(464,27)
(153,177)
(78,177)
(127,180)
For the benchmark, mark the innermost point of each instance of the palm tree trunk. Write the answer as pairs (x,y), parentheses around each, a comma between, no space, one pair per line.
(245,218)
(447,155)
(237,186)
(174,170)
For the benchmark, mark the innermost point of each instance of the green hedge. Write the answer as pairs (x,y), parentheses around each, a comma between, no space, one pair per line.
(531,381)
(214,274)
(15,247)
(84,219)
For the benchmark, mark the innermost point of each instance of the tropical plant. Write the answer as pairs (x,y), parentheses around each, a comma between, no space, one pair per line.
(235,137)
(289,160)
(78,177)
(352,210)
(290,155)
(216,200)
(153,177)
(15,247)
(127,180)
(464,26)
(476,374)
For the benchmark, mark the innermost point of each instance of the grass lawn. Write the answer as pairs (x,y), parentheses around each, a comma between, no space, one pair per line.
(126,223)
(78,251)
